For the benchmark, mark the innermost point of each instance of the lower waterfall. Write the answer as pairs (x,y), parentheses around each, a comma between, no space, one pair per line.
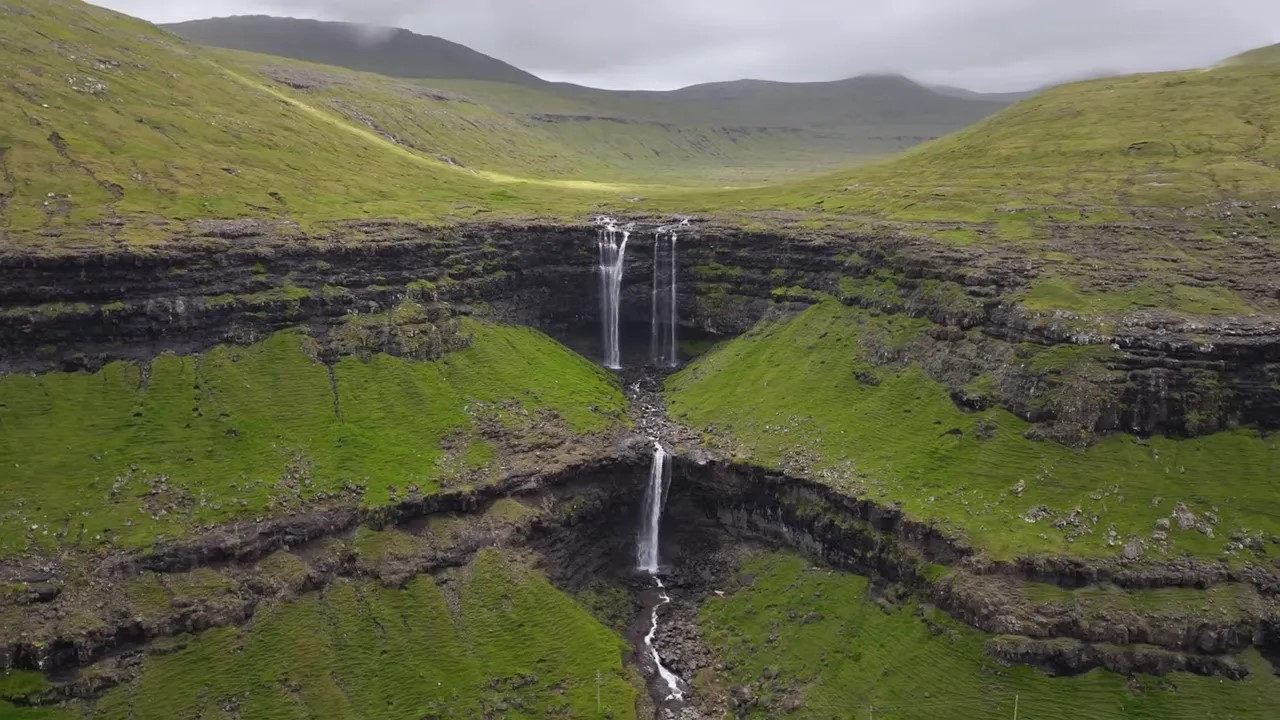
(654,497)
(647,557)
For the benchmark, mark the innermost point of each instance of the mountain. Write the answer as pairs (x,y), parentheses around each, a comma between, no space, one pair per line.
(733,132)
(1171,144)
(394,52)
(1001,97)
(865,100)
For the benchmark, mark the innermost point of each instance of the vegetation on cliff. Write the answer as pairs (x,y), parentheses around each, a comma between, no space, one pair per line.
(812,643)
(821,406)
(492,636)
(138,452)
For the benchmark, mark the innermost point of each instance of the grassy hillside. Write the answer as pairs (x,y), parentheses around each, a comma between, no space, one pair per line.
(870,102)
(1258,56)
(1162,145)
(113,129)
(727,133)
(495,638)
(135,453)
(900,439)
(388,51)
(563,134)
(813,640)
(745,131)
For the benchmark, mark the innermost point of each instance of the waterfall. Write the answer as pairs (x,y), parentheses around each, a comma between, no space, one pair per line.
(647,557)
(612,255)
(671,679)
(672,359)
(654,497)
(663,317)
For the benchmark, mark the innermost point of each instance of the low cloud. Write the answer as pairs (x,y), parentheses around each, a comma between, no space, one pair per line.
(981,44)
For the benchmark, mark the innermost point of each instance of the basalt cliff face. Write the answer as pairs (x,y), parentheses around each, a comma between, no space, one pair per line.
(1147,373)
(238,282)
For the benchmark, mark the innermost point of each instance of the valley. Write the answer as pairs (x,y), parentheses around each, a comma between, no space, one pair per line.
(327,393)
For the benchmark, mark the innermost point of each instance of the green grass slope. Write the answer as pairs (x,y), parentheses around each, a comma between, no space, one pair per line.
(813,640)
(1160,145)
(496,640)
(737,133)
(132,454)
(111,128)
(1258,56)
(388,51)
(558,134)
(903,441)
(890,111)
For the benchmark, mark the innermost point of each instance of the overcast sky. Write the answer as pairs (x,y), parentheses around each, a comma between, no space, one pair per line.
(987,45)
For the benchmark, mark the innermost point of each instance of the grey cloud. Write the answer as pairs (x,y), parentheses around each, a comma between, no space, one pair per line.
(982,44)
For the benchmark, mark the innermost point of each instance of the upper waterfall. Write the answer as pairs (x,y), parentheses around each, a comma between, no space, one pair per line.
(663,317)
(612,258)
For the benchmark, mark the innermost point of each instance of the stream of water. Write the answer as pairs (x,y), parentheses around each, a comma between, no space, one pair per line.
(654,496)
(671,679)
(663,317)
(612,258)
(647,557)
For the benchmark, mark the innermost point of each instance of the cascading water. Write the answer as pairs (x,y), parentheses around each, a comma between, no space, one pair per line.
(663,319)
(647,557)
(654,496)
(612,256)
(671,679)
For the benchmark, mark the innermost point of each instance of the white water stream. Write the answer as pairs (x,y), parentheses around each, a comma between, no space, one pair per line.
(612,257)
(654,497)
(671,679)
(647,557)
(663,316)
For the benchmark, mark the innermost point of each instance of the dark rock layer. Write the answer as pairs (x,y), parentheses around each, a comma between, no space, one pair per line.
(234,282)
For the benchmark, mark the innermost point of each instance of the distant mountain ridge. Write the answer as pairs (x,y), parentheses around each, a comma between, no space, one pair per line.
(740,130)
(397,52)
(387,51)
(882,101)
(966,94)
